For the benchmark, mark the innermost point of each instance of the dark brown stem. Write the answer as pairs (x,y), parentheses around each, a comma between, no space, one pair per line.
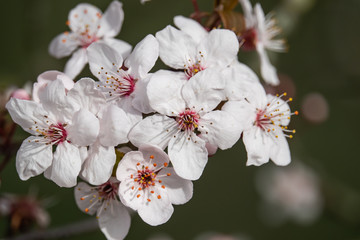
(197,14)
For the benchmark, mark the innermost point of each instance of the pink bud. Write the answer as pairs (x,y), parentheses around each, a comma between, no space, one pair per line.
(20,94)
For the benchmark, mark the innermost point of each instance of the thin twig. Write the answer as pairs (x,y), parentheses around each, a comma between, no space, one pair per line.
(62,232)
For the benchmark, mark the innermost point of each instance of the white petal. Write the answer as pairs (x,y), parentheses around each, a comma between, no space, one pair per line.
(153,130)
(121,47)
(204,91)
(248,13)
(99,164)
(156,212)
(103,58)
(143,57)
(164,92)
(220,48)
(83,194)
(220,128)
(127,165)
(176,47)
(115,221)
(242,111)
(84,128)
(280,152)
(257,145)
(84,16)
(140,99)
(179,190)
(158,155)
(33,158)
(86,96)
(63,45)
(66,165)
(188,157)
(191,27)
(26,113)
(114,126)
(134,115)
(268,72)
(111,21)
(76,63)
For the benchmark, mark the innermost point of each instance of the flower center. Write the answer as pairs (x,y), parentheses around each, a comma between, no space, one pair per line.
(188,120)
(248,39)
(108,190)
(274,114)
(193,69)
(55,134)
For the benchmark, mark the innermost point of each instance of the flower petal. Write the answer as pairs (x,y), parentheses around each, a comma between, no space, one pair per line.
(176,47)
(134,115)
(220,128)
(280,152)
(164,92)
(81,192)
(121,47)
(114,126)
(268,71)
(76,63)
(191,27)
(158,155)
(84,18)
(127,165)
(143,57)
(33,158)
(157,211)
(66,165)
(84,128)
(140,99)
(188,157)
(179,190)
(242,111)
(99,164)
(155,129)
(257,145)
(112,20)
(63,45)
(115,221)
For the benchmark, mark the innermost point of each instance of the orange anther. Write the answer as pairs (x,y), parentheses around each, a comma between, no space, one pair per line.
(152,156)
(67,22)
(66,33)
(163,186)
(160,181)
(138,195)
(152,191)
(166,164)
(86,210)
(82,198)
(158,196)
(132,187)
(296,113)
(138,164)
(168,174)
(155,164)
(149,200)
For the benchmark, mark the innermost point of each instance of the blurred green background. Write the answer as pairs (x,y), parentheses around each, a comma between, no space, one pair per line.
(324,57)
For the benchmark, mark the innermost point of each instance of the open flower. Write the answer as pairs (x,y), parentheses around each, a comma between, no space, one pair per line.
(58,121)
(186,109)
(149,186)
(88,25)
(259,34)
(113,217)
(265,119)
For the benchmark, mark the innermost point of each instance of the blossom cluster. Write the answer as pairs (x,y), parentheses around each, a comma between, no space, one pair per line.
(172,119)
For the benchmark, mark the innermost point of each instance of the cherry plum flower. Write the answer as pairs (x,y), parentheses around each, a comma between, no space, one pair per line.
(187,120)
(259,34)
(88,25)
(125,86)
(113,217)
(55,122)
(265,119)
(149,186)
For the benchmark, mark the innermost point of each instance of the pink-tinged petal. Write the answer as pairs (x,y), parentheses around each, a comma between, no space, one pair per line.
(121,47)
(239,81)
(242,111)
(156,130)
(26,113)
(282,107)
(76,63)
(114,126)
(33,158)
(220,128)
(45,78)
(112,20)
(164,92)
(63,45)
(85,96)
(204,91)
(188,155)
(99,164)
(157,211)
(220,48)
(143,57)
(154,154)
(176,47)
(103,58)
(84,17)
(82,192)
(134,115)
(127,165)
(179,190)
(191,27)
(268,71)
(257,144)
(140,100)
(279,151)
(66,165)
(84,128)
(115,221)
